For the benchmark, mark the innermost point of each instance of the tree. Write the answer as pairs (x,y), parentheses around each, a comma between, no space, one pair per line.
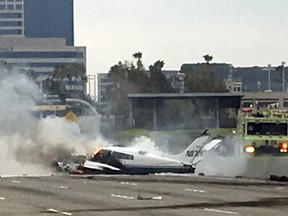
(63,76)
(204,80)
(127,79)
(69,70)
(159,83)
(52,87)
(138,56)
(208,58)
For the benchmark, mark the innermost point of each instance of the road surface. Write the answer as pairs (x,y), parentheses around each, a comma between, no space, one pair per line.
(141,195)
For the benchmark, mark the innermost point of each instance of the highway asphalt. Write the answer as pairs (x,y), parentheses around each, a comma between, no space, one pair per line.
(141,195)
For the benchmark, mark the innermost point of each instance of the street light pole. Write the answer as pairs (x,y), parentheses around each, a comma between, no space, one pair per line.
(283,76)
(89,84)
(269,77)
(94,85)
(94,76)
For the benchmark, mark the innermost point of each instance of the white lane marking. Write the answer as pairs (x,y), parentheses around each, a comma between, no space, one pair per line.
(128,183)
(280,188)
(120,196)
(61,187)
(59,212)
(52,210)
(16,182)
(220,211)
(2,198)
(66,213)
(157,198)
(196,191)
(139,197)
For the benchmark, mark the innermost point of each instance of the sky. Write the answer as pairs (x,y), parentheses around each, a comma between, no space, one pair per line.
(238,32)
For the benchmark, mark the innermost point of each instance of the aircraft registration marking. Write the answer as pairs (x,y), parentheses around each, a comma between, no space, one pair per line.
(196,190)
(220,211)
(16,182)
(195,153)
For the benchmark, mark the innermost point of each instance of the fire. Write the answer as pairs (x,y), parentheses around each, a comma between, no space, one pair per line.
(96,150)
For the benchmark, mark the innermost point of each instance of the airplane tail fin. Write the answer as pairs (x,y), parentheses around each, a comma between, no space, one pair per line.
(195,152)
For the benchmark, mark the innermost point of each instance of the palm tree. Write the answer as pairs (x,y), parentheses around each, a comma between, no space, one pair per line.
(69,71)
(138,56)
(157,67)
(159,83)
(208,58)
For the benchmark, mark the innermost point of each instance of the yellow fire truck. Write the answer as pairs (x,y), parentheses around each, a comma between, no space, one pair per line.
(263,131)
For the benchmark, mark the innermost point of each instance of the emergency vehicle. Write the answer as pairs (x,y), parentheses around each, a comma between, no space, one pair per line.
(263,131)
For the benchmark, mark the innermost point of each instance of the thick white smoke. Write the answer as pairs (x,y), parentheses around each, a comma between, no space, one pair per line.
(29,145)
(146,144)
(225,160)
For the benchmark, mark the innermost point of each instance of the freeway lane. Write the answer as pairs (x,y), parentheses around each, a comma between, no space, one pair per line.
(140,195)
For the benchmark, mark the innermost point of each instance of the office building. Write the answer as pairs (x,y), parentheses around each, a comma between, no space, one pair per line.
(39,35)
(12,17)
(38,19)
(40,54)
(49,19)
(103,83)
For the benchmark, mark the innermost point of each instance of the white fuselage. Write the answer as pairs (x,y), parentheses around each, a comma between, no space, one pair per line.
(132,156)
(132,160)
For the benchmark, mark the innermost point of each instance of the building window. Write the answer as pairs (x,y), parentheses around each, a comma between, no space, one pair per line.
(10,7)
(10,32)
(10,15)
(104,80)
(25,54)
(2,7)
(18,7)
(10,23)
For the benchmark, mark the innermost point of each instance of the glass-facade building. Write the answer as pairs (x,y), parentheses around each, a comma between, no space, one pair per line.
(38,35)
(38,18)
(11,17)
(49,18)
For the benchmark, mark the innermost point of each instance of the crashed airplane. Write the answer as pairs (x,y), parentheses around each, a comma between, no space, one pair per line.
(129,160)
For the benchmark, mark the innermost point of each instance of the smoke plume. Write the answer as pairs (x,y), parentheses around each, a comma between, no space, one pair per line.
(28,144)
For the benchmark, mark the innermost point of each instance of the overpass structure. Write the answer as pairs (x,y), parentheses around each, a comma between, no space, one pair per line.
(265,98)
(215,108)
(209,107)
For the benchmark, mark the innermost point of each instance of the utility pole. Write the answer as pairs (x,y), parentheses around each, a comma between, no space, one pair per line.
(269,69)
(92,77)
(269,77)
(283,76)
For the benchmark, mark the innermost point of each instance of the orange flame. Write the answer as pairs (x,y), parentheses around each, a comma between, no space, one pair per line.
(96,150)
